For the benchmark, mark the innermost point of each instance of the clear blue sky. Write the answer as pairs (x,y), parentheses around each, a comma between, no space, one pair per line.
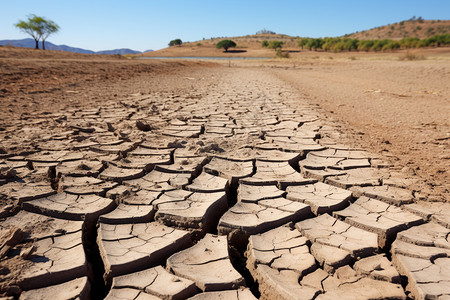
(141,25)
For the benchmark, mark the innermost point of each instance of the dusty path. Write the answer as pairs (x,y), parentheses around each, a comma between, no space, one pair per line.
(211,181)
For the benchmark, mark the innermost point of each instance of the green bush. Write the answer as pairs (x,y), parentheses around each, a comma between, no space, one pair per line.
(314,44)
(176,42)
(391,45)
(275,45)
(225,44)
(347,44)
(265,44)
(409,42)
(365,45)
(302,42)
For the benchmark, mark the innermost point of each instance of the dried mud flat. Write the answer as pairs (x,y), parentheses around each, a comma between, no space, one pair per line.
(176,180)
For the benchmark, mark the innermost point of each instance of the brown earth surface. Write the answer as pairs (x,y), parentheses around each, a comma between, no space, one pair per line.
(309,166)
(399,109)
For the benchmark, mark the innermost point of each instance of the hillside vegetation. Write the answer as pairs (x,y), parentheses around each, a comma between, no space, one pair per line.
(413,33)
(414,28)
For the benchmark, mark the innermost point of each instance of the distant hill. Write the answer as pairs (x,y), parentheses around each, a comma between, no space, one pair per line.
(413,27)
(30,43)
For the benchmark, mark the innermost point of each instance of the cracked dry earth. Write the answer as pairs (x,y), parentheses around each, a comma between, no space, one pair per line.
(237,190)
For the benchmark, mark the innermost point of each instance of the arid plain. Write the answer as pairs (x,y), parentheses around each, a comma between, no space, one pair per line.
(323,175)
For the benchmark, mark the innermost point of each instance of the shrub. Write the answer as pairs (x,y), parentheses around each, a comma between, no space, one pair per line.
(409,42)
(315,44)
(391,45)
(302,42)
(411,56)
(176,42)
(275,45)
(265,44)
(350,44)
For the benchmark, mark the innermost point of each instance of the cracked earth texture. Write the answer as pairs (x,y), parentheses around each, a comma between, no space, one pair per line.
(236,189)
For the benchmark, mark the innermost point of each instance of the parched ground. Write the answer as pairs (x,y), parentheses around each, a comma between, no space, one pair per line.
(311,179)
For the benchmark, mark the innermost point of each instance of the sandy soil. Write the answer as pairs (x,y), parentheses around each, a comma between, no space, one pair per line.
(43,80)
(399,109)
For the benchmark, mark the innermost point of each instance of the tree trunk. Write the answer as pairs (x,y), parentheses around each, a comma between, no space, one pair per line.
(226,49)
(43,44)
(37,44)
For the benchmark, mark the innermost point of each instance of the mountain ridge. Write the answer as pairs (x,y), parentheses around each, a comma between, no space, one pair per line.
(30,43)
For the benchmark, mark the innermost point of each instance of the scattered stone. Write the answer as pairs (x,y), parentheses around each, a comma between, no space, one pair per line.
(143,126)
(9,240)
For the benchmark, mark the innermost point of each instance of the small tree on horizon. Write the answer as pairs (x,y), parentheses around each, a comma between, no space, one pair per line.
(38,27)
(225,44)
(176,42)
